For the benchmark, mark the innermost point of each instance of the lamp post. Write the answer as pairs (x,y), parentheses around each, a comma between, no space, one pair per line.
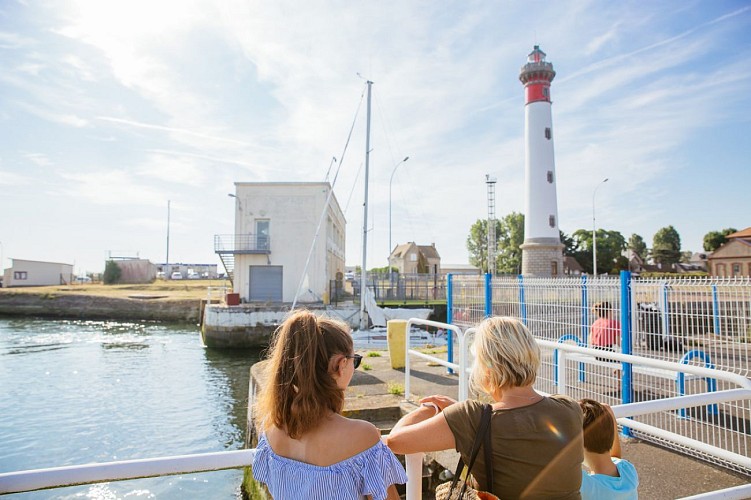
(594,229)
(391,179)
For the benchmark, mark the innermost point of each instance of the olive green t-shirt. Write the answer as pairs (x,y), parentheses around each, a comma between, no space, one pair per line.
(537,449)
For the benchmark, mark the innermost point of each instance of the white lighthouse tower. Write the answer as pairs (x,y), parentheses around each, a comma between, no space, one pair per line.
(542,251)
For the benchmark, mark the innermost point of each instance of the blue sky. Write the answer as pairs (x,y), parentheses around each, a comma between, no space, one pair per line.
(109,109)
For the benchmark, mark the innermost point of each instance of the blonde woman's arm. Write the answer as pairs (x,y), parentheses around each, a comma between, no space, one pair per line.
(424,429)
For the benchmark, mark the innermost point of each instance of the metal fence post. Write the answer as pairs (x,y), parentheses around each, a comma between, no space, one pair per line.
(715,310)
(585,311)
(450,318)
(522,304)
(488,295)
(626,340)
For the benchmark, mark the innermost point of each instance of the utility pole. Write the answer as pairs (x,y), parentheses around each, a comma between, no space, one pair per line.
(167,260)
(490,181)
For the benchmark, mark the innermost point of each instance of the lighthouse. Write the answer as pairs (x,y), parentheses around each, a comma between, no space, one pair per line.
(542,251)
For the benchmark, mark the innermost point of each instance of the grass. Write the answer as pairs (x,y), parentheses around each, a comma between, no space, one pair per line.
(434,350)
(366,366)
(394,388)
(178,289)
(374,354)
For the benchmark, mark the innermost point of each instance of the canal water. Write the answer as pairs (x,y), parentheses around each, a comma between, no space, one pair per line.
(76,392)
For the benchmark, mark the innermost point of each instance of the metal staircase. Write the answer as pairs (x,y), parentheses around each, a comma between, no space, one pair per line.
(228,260)
(229,245)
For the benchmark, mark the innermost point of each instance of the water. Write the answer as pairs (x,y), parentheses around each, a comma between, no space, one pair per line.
(75,392)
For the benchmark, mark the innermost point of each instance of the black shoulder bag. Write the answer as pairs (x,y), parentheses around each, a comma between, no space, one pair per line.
(482,438)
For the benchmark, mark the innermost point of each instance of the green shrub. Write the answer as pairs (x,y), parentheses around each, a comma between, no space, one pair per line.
(112,273)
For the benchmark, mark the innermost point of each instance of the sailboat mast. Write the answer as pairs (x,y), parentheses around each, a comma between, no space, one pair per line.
(363,269)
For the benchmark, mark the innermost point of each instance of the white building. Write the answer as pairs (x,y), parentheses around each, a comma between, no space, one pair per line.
(275,227)
(37,273)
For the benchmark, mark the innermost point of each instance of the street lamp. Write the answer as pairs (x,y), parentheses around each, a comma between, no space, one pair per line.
(594,229)
(391,179)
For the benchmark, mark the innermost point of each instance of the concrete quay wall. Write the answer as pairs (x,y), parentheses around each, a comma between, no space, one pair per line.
(76,306)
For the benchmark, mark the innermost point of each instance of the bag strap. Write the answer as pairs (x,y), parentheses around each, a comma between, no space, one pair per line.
(482,431)
(487,448)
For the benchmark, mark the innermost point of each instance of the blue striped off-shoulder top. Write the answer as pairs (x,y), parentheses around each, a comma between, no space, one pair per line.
(370,472)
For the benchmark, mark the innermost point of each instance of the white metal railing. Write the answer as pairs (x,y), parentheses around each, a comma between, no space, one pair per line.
(58,477)
(212,290)
(460,367)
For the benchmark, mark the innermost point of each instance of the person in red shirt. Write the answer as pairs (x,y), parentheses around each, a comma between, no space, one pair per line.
(605,331)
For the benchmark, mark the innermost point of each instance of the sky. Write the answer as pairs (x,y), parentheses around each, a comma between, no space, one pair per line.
(111,110)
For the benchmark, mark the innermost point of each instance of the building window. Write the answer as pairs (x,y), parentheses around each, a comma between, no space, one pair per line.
(546,92)
(20,275)
(554,268)
(736,270)
(548,135)
(550,176)
(551,220)
(720,269)
(263,227)
(413,257)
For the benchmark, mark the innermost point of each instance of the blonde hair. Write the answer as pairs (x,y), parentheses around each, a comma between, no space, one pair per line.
(506,355)
(299,389)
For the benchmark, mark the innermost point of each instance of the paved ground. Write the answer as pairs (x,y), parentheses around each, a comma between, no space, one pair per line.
(374,394)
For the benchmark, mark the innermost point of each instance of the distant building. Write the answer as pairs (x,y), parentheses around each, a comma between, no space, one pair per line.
(410,258)
(135,271)
(464,269)
(734,257)
(37,273)
(275,228)
(571,266)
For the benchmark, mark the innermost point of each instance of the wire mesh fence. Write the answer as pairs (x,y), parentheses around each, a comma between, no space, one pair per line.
(706,322)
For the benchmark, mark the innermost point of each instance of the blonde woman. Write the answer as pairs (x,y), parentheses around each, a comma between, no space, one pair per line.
(536,440)
(306,448)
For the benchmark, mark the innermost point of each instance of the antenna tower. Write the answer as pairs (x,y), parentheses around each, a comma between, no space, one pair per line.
(490,181)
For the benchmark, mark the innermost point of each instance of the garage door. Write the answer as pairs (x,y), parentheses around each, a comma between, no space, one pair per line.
(265,283)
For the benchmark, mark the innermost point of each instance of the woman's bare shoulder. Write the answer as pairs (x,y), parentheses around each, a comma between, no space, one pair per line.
(360,435)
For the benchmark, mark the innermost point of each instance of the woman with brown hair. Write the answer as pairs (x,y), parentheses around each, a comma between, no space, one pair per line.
(307,449)
(536,440)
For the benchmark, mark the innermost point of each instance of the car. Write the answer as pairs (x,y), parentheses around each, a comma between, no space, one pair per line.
(160,275)
(82,279)
(349,276)
(177,275)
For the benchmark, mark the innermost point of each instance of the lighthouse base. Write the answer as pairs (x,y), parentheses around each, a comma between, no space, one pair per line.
(542,257)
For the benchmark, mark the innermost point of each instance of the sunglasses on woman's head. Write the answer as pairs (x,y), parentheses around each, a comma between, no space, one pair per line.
(357,359)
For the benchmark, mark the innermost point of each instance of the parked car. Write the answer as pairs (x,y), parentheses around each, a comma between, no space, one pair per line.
(177,275)
(349,276)
(160,275)
(81,279)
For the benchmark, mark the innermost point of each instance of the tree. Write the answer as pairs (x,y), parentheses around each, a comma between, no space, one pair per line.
(637,245)
(510,238)
(666,246)
(715,239)
(569,245)
(610,246)
(112,273)
(509,232)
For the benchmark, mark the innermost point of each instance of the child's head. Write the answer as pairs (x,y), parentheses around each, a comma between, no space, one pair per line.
(599,428)
(602,309)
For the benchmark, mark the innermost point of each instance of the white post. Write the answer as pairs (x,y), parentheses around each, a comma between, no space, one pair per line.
(594,230)
(414,476)
(562,383)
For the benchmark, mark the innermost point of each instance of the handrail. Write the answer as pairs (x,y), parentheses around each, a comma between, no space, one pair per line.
(72,475)
(462,357)
(655,363)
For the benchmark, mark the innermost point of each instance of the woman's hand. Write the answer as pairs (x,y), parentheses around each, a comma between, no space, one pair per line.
(442,402)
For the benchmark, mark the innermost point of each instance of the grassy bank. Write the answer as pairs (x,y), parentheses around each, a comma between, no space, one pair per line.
(163,289)
(159,301)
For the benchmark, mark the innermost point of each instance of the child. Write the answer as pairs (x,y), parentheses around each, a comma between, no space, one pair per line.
(610,476)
